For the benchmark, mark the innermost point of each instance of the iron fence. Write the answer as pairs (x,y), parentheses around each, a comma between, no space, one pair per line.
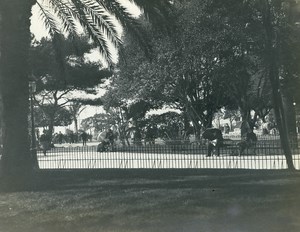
(267,154)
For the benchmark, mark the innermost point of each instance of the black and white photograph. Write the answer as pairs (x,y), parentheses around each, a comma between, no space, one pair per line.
(149,115)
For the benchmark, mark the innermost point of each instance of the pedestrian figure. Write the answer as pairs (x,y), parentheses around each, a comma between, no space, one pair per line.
(60,137)
(84,137)
(72,137)
(249,142)
(45,142)
(226,128)
(110,137)
(248,138)
(215,140)
(245,129)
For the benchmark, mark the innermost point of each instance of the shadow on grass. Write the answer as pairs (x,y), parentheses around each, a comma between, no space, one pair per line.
(155,200)
(46,180)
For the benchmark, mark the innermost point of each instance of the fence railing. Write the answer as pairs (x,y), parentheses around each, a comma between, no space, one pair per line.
(267,154)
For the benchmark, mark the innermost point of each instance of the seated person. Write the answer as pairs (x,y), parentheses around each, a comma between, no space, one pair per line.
(215,140)
(103,146)
(106,139)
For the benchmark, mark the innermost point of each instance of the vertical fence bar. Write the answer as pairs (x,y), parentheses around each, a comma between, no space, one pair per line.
(268,154)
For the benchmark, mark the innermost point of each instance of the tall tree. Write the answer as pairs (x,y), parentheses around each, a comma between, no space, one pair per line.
(53,92)
(272,51)
(96,19)
(278,56)
(63,117)
(251,47)
(75,108)
(194,76)
(16,162)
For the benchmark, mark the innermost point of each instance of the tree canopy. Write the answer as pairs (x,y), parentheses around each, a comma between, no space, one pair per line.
(96,19)
(53,90)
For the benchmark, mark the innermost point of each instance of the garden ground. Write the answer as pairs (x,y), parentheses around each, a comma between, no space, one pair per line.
(155,200)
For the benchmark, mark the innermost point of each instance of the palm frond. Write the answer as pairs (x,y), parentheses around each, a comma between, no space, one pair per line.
(131,24)
(95,33)
(103,20)
(119,11)
(97,18)
(49,20)
(156,11)
(56,35)
(64,13)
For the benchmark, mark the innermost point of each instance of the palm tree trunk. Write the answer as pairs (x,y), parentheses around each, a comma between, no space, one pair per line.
(16,164)
(76,124)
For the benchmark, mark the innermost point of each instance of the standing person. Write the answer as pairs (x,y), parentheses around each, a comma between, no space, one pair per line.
(45,142)
(110,137)
(148,135)
(248,142)
(248,137)
(226,128)
(72,137)
(60,137)
(84,137)
(215,140)
(245,129)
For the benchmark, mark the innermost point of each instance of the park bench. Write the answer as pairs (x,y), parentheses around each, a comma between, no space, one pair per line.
(237,147)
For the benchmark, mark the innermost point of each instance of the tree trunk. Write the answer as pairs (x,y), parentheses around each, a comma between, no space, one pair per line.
(197,129)
(271,56)
(51,125)
(281,124)
(208,120)
(76,125)
(290,117)
(245,113)
(230,123)
(1,123)
(195,121)
(16,164)
(186,125)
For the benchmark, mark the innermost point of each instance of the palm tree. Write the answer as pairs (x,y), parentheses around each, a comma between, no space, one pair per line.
(76,109)
(60,16)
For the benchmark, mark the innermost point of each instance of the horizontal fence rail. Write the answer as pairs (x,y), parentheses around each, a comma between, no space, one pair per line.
(266,154)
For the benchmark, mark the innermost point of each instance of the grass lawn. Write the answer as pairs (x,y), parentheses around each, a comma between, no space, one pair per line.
(225,201)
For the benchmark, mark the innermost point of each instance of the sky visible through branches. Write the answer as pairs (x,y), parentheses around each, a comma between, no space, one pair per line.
(39,31)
